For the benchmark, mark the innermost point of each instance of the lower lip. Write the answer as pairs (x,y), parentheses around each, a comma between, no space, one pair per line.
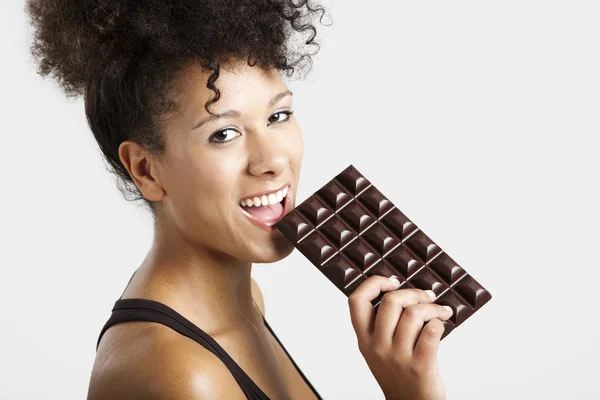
(269,226)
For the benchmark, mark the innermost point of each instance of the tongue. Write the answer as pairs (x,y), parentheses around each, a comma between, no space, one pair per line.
(266,213)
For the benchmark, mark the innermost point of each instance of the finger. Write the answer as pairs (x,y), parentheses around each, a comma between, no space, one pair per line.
(411,324)
(390,309)
(425,353)
(361,308)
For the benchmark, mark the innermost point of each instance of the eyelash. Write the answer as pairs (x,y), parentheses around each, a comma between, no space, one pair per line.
(288,113)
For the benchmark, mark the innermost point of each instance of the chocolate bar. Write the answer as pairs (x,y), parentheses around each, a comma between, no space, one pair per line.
(350,231)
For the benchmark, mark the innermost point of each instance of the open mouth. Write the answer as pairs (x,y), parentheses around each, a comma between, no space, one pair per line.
(265,211)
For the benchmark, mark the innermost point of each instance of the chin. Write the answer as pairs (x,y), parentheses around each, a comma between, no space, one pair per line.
(276,251)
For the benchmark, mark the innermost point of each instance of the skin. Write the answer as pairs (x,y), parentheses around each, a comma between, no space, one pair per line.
(201,258)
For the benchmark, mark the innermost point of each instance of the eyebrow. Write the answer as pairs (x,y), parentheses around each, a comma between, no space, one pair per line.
(236,114)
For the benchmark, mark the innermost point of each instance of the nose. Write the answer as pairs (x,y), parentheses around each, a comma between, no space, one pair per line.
(268,155)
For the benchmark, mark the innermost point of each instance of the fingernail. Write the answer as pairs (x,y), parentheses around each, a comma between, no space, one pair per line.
(394,281)
(448,308)
(430,293)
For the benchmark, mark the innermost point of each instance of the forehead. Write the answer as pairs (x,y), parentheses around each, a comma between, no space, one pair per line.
(239,85)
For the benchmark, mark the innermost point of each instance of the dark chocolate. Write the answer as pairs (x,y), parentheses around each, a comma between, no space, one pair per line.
(350,231)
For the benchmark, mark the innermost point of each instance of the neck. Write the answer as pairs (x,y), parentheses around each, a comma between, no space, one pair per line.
(213,290)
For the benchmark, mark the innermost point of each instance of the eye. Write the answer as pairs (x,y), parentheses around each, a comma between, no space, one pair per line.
(280,113)
(221,136)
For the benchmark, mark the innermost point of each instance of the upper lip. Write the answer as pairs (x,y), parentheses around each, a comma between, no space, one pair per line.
(265,192)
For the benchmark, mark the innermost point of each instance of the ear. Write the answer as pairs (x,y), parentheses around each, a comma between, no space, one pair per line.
(142,169)
(257,296)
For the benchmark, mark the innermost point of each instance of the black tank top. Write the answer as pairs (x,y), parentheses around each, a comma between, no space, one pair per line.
(153,311)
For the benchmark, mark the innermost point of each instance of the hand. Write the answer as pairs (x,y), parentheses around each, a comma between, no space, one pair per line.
(400,352)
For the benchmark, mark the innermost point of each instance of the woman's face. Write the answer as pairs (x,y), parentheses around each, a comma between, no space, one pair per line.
(208,169)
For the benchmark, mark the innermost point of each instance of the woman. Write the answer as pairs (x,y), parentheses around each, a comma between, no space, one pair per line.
(189,108)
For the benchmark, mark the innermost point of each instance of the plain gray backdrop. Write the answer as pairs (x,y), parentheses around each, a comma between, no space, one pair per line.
(478,119)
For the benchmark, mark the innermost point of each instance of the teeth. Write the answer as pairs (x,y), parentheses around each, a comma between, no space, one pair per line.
(265,199)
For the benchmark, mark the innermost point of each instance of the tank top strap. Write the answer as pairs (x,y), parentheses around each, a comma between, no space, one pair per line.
(153,311)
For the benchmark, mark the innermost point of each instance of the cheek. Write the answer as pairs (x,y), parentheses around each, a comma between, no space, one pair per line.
(204,203)
(296,148)
(195,177)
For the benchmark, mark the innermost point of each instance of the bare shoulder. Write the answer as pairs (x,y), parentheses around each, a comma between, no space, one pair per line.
(159,364)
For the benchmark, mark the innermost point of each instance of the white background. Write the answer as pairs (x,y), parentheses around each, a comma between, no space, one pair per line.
(478,119)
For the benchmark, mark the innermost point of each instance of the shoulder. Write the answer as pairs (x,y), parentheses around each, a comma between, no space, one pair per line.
(160,365)
(258,297)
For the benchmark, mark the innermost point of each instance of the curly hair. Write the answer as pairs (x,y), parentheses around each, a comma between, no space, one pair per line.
(123,56)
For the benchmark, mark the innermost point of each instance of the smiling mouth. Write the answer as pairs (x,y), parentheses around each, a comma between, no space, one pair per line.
(265,216)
